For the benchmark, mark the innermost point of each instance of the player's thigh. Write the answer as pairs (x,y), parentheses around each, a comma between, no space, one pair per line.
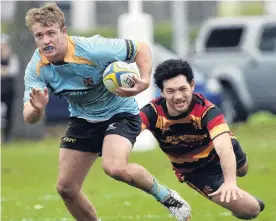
(119,138)
(79,148)
(74,166)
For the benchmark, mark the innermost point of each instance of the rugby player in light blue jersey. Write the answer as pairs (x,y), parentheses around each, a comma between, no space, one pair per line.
(100,122)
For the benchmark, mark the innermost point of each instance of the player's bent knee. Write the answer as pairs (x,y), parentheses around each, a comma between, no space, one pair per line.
(67,191)
(241,173)
(243,170)
(116,172)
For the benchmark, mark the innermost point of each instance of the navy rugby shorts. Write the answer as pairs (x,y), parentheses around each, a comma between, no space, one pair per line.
(88,137)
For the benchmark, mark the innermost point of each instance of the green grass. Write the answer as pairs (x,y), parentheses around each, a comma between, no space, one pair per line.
(29,172)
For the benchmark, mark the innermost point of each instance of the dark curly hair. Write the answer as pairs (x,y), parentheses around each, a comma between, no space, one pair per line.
(170,69)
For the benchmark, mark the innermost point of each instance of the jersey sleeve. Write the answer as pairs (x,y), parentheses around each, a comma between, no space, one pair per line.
(215,123)
(109,50)
(31,80)
(148,116)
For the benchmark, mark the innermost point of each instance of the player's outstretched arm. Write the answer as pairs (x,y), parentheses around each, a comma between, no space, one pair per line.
(224,149)
(34,109)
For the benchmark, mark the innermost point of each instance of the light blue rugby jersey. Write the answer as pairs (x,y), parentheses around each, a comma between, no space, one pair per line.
(80,79)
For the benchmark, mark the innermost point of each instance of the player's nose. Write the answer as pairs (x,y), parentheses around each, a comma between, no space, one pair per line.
(46,40)
(177,95)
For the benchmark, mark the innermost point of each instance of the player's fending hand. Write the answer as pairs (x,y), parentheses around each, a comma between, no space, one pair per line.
(39,99)
(228,191)
(139,86)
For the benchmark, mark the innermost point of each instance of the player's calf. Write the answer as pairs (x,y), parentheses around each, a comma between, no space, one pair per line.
(247,213)
(250,211)
(244,208)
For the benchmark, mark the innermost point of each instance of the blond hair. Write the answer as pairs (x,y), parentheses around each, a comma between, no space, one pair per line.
(47,15)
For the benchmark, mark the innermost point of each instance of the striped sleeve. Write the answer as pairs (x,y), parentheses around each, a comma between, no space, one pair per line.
(215,123)
(148,116)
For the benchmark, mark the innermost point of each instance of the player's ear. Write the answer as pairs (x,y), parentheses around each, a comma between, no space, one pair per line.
(64,30)
(192,84)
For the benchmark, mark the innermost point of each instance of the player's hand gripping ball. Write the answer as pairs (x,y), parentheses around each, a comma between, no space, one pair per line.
(119,74)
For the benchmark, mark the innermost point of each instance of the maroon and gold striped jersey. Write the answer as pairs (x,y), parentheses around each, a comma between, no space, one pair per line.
(187,138)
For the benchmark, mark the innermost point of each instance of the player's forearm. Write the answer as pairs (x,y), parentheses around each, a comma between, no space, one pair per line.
(224,149)
(228,165)
(144,62)
(32,115)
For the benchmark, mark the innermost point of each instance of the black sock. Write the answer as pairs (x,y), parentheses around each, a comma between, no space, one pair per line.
(261,204)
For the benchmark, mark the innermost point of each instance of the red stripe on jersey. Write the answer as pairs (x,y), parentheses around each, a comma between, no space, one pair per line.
(145,119)
(160,110)
(198,110)
(216,121)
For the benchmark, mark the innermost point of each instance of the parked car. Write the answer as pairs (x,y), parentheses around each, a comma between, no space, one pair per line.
(209,87)
(240,52)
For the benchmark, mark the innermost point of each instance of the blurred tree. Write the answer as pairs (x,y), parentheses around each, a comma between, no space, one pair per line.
(23,45)
(253,8)
(240,8)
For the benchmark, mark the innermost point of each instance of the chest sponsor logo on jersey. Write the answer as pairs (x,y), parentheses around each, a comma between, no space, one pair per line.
(185,138)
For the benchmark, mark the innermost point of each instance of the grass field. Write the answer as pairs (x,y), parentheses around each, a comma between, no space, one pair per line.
(29,171)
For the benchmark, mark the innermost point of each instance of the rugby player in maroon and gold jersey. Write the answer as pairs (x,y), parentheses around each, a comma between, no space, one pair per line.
(192,132)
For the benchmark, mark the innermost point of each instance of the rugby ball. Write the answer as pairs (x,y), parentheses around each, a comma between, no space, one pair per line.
(119,74)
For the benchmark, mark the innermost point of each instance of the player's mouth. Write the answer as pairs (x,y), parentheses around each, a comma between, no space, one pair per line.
(180,104)
(48,49)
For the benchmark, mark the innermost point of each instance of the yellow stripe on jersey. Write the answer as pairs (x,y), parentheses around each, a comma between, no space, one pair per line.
(153,106)
(207,109)
(143,127)
(163,123)
(71,57)
(205,152)
(181,160)
(39,65)
(188,158)
(218,130)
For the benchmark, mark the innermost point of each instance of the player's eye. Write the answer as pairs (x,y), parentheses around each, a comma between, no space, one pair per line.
(52,33)
(39,36)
